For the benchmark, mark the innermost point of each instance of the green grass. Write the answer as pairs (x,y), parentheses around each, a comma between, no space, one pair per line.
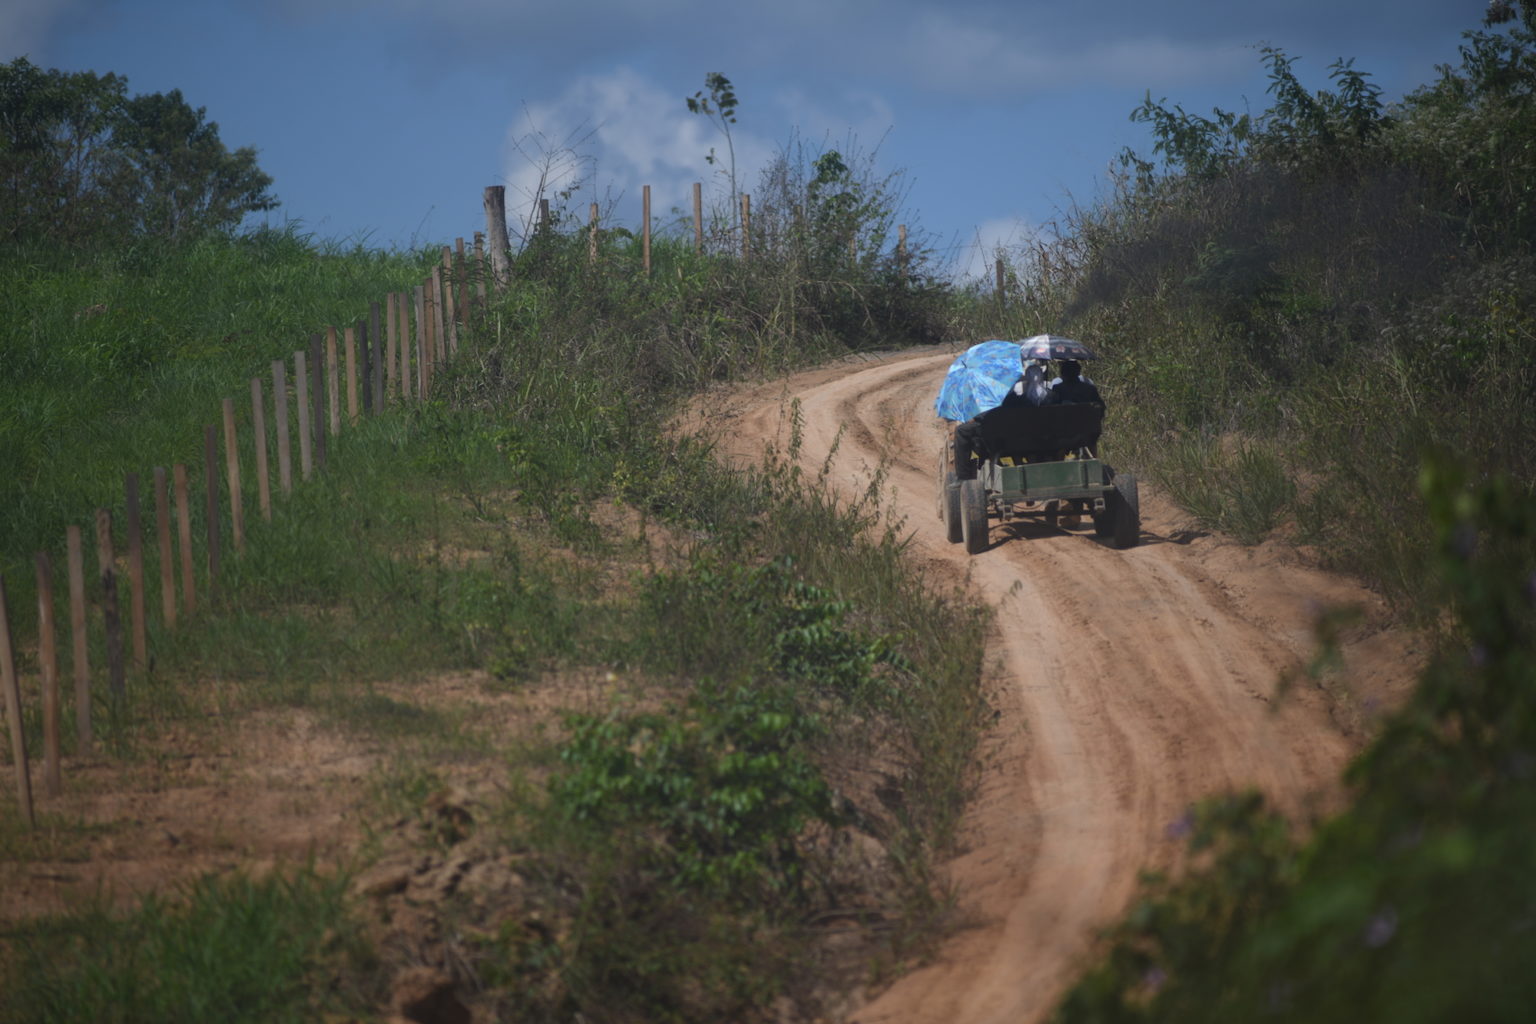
(1245,490)
(118,358)
(231,949)
(461,536)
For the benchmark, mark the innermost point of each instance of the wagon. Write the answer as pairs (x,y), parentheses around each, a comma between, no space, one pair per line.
(1041,462)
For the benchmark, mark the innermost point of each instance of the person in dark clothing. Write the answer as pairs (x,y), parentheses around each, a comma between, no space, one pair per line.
(1029,389)
(1073,388)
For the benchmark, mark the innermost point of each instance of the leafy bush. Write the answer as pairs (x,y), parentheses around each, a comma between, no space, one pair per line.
(724,788)
(1334,278)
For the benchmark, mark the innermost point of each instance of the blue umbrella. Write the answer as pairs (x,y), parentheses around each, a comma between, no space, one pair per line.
(978,380)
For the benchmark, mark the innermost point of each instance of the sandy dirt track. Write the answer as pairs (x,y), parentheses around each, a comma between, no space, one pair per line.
(1127,685)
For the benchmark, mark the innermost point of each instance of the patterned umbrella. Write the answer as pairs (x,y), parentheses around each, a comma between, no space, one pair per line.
(978,380)
(1053,346)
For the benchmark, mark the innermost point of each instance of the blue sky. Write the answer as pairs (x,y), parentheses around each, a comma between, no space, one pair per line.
(383,120)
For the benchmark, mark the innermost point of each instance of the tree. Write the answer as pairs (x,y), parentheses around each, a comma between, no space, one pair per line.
(720,107)
(82,161)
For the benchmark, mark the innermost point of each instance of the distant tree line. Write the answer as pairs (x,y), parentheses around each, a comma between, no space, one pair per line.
(82,161)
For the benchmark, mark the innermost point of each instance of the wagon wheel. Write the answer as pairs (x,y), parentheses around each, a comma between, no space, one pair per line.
(973,516)
(1126,517)
(949,497)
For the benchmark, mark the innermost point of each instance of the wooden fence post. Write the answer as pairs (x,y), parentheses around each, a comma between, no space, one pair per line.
(184,535)
(460,282)
(645,229)
(167,553)
(1000,291)
(332,380)
(280,414)
(136,602)
(211,503)
(349,336)
(495,200)
(106,562)
(403,318)
(480,270)
(450,305)
(48,668)
(592,234)
(391,345)
(232,474)
(698,217)
(259,435)
(376,336)
(365,366)
(12,688)
(301,400)
(423,343)
(317,395)
(901,251)
(79,639)
(439,329)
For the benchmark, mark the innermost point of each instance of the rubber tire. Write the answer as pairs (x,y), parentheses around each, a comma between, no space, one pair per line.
(973,516)
(1104,522)
(954,531)
(1127,516)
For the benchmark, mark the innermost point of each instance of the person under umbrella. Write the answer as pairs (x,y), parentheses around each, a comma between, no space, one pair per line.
(1029,389)
(1073,388)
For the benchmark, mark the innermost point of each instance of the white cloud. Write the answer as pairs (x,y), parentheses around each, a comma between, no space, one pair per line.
(976,258)
(623,131)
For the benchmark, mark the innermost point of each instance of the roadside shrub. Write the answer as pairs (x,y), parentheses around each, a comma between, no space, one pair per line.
(1413,905)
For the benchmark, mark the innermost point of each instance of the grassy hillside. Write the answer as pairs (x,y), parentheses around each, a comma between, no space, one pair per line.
(683,841)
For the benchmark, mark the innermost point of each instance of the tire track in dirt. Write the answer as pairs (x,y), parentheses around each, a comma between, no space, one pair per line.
(1128,684)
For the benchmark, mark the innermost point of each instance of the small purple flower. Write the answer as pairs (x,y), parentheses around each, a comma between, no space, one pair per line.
(1381,928)
(1154,979)
(1478,656)
(1181,827)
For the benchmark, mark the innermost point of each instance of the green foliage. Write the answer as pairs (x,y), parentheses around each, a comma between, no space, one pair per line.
(1414,905)
(1333,278)
(83,162)
(722,790)
(1244,491)
(740,624)
(231,949)
(719,106)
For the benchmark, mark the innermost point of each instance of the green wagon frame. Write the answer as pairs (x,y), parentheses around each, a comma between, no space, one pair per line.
(1040,462)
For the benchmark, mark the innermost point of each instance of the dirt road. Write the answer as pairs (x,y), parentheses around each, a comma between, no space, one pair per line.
(1127,684)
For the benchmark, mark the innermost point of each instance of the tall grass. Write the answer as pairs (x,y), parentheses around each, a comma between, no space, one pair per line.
(116,359)
(232,949)
(460,534)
